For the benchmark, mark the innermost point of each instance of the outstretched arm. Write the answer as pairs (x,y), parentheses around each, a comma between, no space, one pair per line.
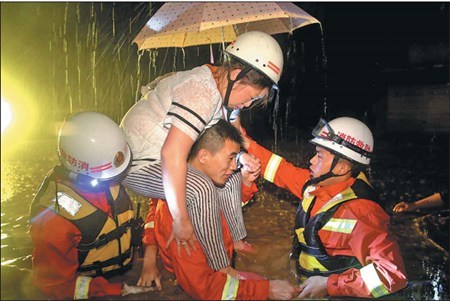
(432,201)
(150,272)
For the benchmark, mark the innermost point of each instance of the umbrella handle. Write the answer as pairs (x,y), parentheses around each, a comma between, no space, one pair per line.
(211,54)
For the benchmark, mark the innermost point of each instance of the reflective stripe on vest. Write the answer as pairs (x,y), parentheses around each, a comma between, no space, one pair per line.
(74,208)
(230,289)
(372,281)
(272,167)
(341,225)
(82,288)
(313,258)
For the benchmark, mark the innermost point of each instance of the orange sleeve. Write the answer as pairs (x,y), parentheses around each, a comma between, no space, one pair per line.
(371,243)
(149,225)
(248,192)
(55,260)
(277,170)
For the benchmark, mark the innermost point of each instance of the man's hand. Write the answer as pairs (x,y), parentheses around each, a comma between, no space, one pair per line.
(404,207)
(129,289)
(150,272)
(282,290)
(314,287)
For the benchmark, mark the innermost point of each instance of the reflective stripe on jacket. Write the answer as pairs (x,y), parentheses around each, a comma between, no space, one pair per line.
(105,248)
(313,259)
(369,240)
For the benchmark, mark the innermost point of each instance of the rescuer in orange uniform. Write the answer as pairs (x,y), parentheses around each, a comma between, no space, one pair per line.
(81,221)
(342,246)
(213,154)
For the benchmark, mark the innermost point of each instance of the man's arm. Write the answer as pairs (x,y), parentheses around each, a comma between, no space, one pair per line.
(150,272)
(277,170)
(432,201)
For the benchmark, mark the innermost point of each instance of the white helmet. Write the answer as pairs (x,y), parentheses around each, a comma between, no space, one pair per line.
(345,136)
(261,51)
(92,144)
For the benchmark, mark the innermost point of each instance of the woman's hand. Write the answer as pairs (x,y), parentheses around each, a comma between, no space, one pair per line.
(250,163)
(186,244)
(249,177)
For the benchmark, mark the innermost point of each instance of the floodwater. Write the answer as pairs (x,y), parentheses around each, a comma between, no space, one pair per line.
(87,63)
(404,171)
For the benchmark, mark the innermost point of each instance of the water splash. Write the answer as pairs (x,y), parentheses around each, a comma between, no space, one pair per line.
(324,72)
(436,289)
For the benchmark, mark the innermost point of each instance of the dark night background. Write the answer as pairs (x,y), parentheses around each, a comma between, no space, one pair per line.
(71,57)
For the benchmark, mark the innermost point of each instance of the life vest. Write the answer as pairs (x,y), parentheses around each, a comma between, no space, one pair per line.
(308,248)
(105,248)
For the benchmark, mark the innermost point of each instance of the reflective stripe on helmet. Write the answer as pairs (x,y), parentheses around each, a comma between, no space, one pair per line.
(92,144)
(259,50)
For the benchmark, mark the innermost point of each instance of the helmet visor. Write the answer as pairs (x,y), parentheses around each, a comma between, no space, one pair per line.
(324,131)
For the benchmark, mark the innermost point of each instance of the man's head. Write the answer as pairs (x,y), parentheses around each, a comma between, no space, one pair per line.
(343,149)
(215,151)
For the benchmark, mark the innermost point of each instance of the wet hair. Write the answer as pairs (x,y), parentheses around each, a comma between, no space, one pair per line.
(253,78)
(213,139)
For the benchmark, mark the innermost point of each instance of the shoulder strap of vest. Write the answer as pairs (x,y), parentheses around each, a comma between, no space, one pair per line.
(43,189)
(363,189)
(360,189)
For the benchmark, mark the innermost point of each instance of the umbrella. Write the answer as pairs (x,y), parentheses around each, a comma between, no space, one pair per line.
(182,24)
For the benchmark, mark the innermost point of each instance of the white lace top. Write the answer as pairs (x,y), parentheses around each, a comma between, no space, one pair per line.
(187,99)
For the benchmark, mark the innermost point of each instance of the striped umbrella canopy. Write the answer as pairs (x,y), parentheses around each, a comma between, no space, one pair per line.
(182,24)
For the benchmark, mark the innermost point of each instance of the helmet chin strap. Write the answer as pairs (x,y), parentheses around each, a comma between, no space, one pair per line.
(328,175)
(231,82)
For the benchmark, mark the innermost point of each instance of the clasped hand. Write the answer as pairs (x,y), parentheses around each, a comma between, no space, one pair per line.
(250,163)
